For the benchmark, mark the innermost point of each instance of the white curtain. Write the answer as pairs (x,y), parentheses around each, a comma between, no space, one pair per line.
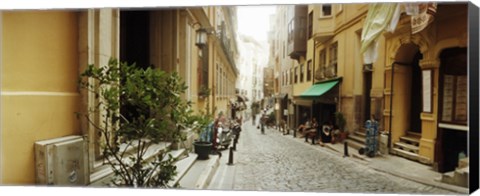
(380,17)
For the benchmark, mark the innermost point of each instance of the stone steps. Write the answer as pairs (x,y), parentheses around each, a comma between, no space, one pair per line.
(459,176)
(406,147)
(410,139)
(360,133)
(357,138)
(406,154)
(354,144)
(103,175)
(183,166)
(200,173)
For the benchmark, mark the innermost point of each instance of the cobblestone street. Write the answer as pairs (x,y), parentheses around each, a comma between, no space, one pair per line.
(276,162)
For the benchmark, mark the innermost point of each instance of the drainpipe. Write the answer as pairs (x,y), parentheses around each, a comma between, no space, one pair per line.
(391,106)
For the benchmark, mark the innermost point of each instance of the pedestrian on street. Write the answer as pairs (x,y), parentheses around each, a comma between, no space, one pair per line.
(263,121)
(312,131)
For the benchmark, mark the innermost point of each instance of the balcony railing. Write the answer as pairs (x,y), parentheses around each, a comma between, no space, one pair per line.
(225,43)
(324,73)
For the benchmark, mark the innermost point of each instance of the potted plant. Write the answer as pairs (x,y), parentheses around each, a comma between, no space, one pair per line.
(203,145)
(204,128)
(137,109)
(203,92)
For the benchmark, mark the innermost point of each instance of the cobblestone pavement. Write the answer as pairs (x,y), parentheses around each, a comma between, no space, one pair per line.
(276,162)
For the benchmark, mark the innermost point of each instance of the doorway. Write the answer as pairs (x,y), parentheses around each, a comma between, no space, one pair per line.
(407,90)
(367,86)
(416,95)
(134,47)
(452,135)
(134,37)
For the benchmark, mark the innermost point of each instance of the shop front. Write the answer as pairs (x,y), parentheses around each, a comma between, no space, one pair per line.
(322,99)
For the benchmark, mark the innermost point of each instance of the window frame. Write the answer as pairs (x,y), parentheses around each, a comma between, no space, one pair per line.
(322,11)
(296,75)
(302,72)
(310,25)
(309,70)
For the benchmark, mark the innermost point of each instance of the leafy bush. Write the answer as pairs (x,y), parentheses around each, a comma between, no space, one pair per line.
(138,108)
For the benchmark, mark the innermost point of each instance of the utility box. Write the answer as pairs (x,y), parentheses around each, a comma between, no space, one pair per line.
(383,143)
(62,161)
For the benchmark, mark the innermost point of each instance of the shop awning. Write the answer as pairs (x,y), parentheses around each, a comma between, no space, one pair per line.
(319,89)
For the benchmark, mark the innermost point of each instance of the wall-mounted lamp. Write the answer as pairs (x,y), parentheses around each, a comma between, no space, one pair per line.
(201,37)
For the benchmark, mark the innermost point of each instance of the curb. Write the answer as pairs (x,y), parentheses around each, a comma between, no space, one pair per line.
(428,182)
(440,185)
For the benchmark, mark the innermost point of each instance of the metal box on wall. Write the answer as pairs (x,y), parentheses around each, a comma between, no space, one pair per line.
(62,161)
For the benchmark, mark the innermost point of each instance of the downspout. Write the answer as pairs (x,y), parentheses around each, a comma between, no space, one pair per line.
(391,106)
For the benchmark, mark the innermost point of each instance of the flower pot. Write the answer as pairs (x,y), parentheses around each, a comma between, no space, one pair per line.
(202,149)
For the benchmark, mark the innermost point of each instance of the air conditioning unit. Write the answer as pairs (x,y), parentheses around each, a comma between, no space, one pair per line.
(62,161)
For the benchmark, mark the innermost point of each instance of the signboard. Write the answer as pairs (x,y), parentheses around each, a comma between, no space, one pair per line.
(427,90)
(447,97)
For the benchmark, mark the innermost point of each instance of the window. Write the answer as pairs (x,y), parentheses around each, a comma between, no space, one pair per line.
(301,27)
(310,25)
(296,75)
(219,81)
(333,58)
(302,70)
(287,82)
(290,30)
(291,76)
(309,70)
(326,9)
(323,59)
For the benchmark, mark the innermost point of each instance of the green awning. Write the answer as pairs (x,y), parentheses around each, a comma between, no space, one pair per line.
(319,89)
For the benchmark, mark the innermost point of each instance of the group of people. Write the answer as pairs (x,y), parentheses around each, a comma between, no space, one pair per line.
(325,133)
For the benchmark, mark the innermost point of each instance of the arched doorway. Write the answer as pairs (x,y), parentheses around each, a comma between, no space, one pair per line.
(406,101)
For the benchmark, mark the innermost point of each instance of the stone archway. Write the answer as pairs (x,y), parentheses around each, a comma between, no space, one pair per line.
(408,56)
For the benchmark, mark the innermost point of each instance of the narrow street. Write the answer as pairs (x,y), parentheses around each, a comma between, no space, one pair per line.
(276,162)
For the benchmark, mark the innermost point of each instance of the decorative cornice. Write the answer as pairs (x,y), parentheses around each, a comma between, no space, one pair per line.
(428,63)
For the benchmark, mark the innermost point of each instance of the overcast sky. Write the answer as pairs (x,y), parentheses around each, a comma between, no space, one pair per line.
(254,21)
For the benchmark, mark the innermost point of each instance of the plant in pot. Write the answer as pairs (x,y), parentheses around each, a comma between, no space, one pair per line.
(341,122)
(203,145)
(136,110)
(203,92)
(204,128)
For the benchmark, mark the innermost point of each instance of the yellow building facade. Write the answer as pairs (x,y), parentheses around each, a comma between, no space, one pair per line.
(408,103)
(43,52)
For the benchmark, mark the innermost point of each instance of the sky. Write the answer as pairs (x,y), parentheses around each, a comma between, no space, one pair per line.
(254,21)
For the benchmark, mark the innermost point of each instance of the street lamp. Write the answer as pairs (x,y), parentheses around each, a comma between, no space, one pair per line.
(201,37)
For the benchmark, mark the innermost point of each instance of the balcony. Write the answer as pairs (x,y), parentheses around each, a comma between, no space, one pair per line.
(326,73)
(297,33)
(225,43)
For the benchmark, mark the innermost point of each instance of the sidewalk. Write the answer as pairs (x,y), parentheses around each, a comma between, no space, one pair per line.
(394,165)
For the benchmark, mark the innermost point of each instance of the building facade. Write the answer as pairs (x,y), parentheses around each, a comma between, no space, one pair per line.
(43,53)
(418,105)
